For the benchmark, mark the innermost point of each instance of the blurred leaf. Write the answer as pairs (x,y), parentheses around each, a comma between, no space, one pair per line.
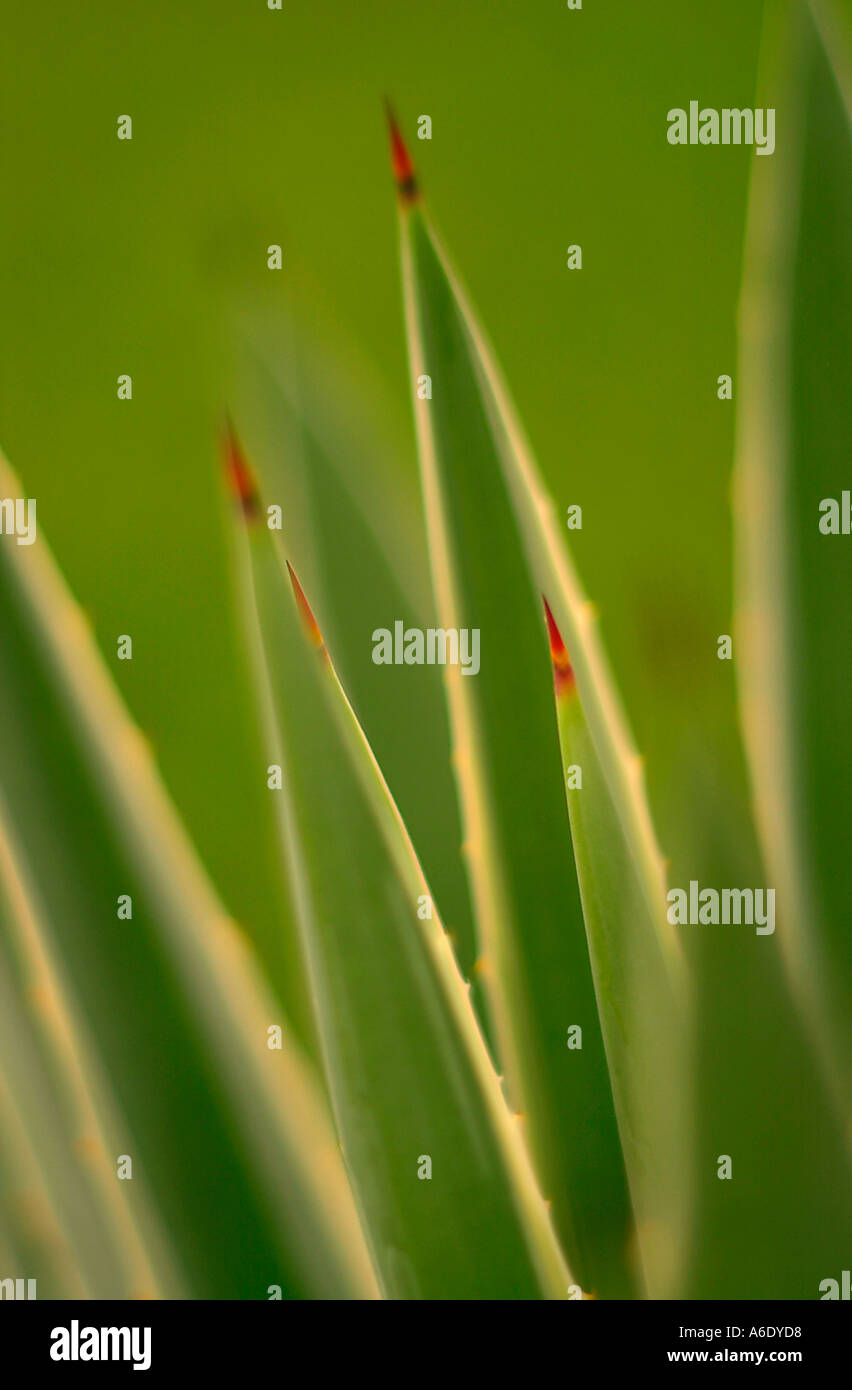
(227,1132)
(52,1080)
(794,444)
(763,1099)
(31,1230)
(407,1067)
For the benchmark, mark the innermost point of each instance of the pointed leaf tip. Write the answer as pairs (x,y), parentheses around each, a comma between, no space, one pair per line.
(401,162)
(563,671)
(305,610)
(239,475)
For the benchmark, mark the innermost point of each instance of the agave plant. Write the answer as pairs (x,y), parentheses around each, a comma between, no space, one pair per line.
(510,1094)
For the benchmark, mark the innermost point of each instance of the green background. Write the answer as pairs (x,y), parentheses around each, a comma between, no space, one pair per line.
(253,127)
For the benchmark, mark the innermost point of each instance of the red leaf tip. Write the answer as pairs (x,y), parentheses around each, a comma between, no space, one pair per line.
(401,162)
(563,671)
(305,611)
(239,475)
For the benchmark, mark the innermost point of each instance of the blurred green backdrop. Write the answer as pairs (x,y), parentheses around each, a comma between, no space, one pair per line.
(253,127)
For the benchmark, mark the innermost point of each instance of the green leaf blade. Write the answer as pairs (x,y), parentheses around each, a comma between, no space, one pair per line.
(528,911)
(406,1065)
(378,575)
(794,437)
(227,1132)
(53,1078)
(643,1020)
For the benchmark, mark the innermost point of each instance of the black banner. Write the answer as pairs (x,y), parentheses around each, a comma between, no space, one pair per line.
(86,1340)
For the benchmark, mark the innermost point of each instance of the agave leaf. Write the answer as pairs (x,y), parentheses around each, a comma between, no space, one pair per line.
(297,443)
(33,1229)
(11,1257)
(107,1268)
(227,1132)
(53,1080)
(494,553)
(407,1067)
(833,23)
(645,1045)
(751,1048)
(794,441)
(550,563)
